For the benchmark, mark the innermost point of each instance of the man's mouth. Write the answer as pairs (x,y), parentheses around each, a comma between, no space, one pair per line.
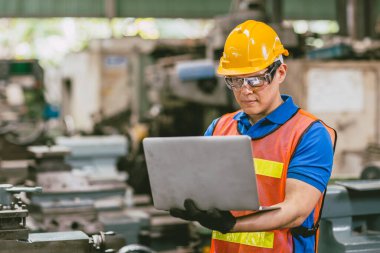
(250,101)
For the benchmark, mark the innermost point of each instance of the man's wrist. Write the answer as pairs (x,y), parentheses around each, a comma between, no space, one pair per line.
(234,227)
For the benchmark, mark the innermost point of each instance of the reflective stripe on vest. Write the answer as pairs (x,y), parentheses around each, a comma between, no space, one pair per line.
(257,239)
(268,168)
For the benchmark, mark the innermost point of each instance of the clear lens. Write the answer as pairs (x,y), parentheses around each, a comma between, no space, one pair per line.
(255,81)
(238,82)
(234,82)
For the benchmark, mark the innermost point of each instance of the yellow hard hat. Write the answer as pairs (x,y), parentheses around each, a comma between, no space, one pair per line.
(250,47)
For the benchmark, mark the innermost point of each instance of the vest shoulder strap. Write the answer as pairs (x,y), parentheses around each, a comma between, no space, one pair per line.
(225,120)
(330,130)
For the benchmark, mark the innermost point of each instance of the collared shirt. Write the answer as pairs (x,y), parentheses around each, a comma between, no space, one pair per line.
(313,157)
(312,160)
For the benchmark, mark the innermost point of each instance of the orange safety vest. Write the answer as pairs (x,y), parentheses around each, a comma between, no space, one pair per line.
(271,156)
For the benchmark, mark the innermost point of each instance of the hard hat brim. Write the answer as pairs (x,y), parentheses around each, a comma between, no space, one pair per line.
(238,71)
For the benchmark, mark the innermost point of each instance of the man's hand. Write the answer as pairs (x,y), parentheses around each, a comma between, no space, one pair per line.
(213,219)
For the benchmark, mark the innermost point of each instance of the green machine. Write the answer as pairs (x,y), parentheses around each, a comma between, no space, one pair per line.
(28,76)
(22,105)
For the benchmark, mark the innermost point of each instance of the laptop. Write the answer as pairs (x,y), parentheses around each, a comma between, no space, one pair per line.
(216,172)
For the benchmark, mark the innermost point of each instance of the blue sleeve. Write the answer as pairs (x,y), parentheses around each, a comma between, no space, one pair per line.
(313,158)
(211,127)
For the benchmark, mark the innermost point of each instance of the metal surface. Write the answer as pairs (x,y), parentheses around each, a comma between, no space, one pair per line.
(123,225)
(71,198)
(6,191)
(96,157)
(46,151)
(67,216)
(189,81)
(64,242)
(14,172)
(13,213)
(135,248)
(15,236)
(350,220)
(361,185)
(18,189)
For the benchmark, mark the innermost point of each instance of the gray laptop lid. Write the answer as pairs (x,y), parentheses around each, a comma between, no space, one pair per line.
(215,171)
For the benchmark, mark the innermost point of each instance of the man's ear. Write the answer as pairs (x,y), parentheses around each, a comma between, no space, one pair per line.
(281,73)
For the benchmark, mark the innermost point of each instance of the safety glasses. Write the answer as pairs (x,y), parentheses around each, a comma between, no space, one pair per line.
(236,83)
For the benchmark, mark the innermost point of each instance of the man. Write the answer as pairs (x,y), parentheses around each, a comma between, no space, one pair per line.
(292,150)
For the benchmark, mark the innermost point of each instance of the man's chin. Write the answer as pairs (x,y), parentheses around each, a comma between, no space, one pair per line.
(253,111)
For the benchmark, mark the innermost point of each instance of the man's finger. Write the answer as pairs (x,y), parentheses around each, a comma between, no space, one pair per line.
(215,213)
(178,213)
(192,208)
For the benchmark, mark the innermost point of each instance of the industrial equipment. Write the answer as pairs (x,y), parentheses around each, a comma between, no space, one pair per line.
(14,172)
(15,236)
(358,36)
(96,156)
(115,90)
(351,217)
(83,190)
(345,94)
(21,106)
(70,199)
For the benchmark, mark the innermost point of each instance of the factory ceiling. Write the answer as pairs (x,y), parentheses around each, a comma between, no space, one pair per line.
(292,9)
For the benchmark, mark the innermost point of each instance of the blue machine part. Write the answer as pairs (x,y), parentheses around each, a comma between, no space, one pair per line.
(195,70)
(333,52)
(51,111)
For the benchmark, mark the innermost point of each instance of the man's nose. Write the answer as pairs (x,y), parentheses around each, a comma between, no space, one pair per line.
(246,88)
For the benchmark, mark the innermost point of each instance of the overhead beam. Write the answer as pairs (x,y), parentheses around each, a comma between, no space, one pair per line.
(291,9)
(52,8)
(173,8)
(115,8)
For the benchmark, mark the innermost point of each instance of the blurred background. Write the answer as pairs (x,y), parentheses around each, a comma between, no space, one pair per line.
(83,82)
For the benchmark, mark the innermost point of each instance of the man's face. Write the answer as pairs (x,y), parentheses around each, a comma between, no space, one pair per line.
(258,102)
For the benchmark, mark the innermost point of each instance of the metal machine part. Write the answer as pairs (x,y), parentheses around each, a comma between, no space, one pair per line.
(371,159)
(96,156)
(189,81)
(15,236)
(66,216)
(70,198)
(351,217)
(14,172)
(48,159)
(135,249)
(13,212)
(60,183)
(63,242)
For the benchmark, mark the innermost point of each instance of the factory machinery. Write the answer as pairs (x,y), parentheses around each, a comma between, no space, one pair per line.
(21,107)
(350,223)
(15,236)
(84,191)
(169,88)
(351,218)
